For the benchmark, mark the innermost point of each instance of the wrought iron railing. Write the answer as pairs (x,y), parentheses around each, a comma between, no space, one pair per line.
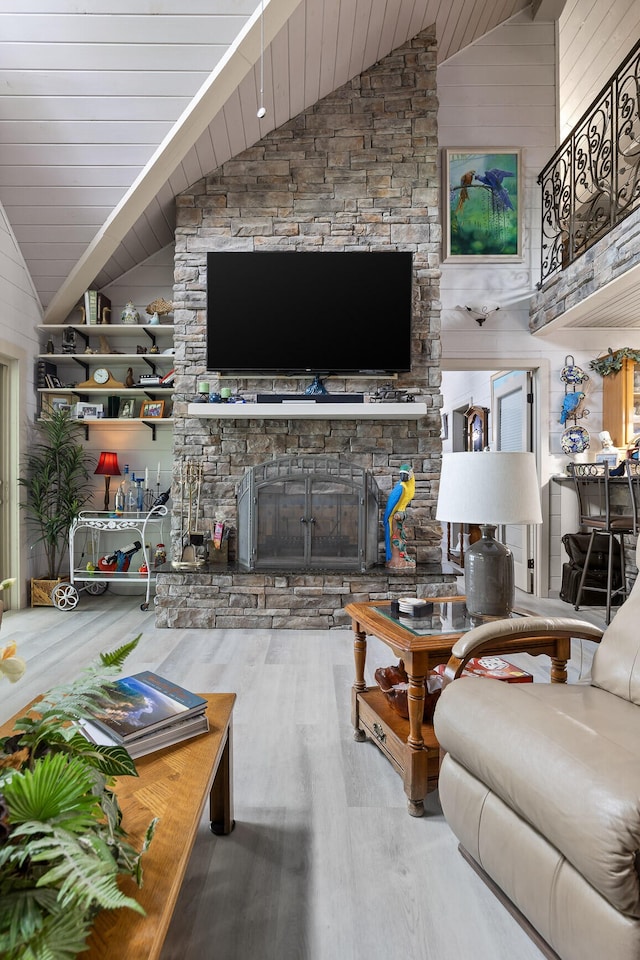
(593,181)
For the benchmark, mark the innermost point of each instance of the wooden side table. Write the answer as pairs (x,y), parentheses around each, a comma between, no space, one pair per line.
(411,745)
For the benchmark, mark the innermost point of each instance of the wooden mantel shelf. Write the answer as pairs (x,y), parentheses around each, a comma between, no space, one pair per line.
(303,410)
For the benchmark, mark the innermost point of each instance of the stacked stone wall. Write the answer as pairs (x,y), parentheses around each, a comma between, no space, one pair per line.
(358,170)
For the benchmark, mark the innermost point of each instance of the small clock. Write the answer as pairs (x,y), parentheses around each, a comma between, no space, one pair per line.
(101,377)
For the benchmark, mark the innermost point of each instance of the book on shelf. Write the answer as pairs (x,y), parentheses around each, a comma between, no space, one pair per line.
(103,309)
(146,743)
(144,703)
(44,369)
(91,306)
(168,379)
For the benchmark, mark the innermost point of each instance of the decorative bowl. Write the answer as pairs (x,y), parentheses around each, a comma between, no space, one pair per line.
(394,683)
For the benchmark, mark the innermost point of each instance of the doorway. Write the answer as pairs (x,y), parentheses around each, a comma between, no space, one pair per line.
(9,519)
(513,398)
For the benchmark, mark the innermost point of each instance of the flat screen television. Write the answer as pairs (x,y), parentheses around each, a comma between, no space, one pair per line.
(288,312)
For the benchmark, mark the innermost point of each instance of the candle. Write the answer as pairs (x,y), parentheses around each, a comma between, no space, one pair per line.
(146,478)
(203,386)
(158,480)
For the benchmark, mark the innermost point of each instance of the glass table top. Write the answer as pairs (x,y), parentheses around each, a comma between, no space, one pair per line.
(447,617)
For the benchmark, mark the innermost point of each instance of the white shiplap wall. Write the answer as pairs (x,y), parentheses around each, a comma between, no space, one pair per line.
(501,92)
(19,316)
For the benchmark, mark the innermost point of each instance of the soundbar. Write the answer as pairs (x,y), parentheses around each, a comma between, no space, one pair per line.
(310,398)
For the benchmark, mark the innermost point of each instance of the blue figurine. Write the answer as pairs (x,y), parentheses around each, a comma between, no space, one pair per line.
(399,499)
(569,405)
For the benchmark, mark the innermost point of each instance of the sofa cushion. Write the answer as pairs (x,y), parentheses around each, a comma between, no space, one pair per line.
(616,662)
(566,758)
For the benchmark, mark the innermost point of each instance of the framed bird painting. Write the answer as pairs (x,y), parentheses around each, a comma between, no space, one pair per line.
(482,202)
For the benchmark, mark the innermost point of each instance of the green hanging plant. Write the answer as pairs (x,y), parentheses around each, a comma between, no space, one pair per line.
(612,362)
(62,845)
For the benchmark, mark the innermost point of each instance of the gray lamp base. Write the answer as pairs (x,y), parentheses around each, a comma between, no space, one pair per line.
(488,576)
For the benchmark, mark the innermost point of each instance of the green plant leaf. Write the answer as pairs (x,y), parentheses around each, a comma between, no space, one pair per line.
(56,789)
(117,657)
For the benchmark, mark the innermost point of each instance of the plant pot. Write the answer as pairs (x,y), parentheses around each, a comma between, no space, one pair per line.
(41,591)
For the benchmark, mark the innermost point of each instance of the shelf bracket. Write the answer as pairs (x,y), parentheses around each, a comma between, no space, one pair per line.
(152,427)
(84,365)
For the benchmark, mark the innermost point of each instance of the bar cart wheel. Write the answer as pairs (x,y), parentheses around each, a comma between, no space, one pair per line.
(96,588)
(64,596)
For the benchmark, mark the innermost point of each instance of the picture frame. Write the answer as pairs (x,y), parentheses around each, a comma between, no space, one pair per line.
(87,411)
(54,402)
(482,204)
(152,408)
(127,409)
(477,429)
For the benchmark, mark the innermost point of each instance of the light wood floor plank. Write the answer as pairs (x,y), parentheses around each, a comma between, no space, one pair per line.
(324,863)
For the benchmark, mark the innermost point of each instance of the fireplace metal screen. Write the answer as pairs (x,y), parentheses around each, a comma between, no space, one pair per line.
(307,512)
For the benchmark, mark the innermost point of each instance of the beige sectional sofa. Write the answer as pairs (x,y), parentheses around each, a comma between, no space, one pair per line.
(541,785)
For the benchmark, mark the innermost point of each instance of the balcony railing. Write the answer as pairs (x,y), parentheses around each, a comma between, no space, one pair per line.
(593,181)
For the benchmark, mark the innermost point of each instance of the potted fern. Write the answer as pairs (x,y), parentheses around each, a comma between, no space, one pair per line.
(62,845)
(56,484)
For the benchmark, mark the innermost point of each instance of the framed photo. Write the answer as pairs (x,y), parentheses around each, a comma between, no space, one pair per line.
(482,194)
(54,402)
(152,408)
(87,411)
(127,409)
(477,436)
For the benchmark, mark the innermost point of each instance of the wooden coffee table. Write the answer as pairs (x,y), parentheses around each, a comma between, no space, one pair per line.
(174,784)
(411,744)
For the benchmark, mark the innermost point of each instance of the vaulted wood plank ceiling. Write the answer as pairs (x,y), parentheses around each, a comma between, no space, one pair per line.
(112,107)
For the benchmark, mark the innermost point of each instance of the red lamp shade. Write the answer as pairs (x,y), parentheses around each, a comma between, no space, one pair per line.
(107,468)
(108,465)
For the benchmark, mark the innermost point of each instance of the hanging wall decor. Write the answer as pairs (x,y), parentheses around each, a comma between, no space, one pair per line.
(575,438)
(482,200)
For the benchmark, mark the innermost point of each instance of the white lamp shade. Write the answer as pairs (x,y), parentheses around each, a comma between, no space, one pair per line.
(489,487)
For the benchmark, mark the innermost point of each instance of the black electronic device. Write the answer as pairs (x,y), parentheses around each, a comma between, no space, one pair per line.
(296,312)
(310,398)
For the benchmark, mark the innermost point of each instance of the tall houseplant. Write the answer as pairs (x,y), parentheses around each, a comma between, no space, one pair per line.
(56,484)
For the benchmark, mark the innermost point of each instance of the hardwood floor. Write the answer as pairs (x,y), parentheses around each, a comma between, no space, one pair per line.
(324,862)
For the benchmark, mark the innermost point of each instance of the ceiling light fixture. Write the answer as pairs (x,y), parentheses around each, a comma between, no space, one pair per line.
(262,111)
(480,314)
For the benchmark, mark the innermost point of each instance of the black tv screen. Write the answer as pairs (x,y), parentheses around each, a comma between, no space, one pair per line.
(285,312)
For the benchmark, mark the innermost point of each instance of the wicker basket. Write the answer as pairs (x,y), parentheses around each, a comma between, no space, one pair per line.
(41,591)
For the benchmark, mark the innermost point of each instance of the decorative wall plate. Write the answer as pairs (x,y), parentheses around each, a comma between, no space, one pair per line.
(572,373)
(575,440)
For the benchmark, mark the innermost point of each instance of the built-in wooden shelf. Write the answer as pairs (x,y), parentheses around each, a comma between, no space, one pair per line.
(308,410)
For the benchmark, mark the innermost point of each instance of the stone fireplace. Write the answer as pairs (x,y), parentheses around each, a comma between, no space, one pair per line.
(359,169)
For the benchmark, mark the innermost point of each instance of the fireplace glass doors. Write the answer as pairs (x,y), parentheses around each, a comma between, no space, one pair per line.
(307,512)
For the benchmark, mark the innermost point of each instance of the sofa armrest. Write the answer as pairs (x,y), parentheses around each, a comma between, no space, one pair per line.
(478,639)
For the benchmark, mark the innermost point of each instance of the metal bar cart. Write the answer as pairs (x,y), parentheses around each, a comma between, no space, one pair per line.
(95,575)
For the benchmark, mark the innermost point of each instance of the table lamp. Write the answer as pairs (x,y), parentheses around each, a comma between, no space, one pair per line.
(107,468)
(487,489)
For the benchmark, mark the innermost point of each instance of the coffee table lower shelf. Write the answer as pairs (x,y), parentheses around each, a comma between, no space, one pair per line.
(419,767)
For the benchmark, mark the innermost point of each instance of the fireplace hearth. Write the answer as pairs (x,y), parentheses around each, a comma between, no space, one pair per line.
(308,513)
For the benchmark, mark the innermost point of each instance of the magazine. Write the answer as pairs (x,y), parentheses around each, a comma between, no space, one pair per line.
(144,702)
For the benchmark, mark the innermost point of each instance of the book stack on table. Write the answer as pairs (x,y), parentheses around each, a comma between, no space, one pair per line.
(144,713)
